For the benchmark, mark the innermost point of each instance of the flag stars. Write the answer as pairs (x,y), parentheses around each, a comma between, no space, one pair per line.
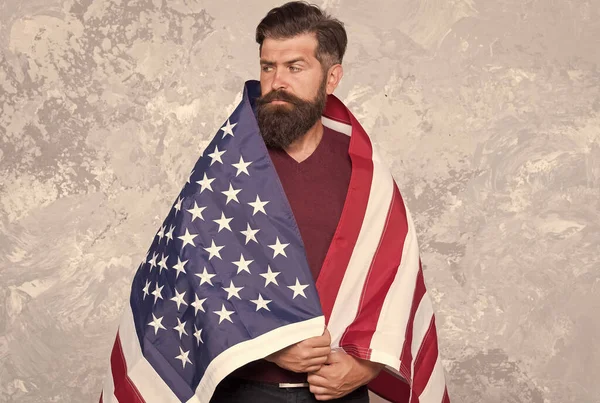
(197,304)
(163,263)
(157,292)
(152,261)
(270,276)
(156,324)
(261,303)
(179,299)
(196,212)
(146,289)
(205,277)
(242,166)
(223,222)
(231,194)
(243,264)
(177,205)
(298,289)
(216,155)
(233,291)
(180,328)
(161,233)
(180,267)
(187,238)
(198,335)
(258,205)
(205,183)
(224,314)
(250,234)
(278,248)
(228,129)
(183,357)
(214,250)
(169,235)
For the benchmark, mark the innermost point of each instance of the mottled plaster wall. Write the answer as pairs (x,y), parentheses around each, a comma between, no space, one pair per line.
(488,112)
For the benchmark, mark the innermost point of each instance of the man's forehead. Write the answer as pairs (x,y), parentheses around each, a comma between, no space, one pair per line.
(284,50)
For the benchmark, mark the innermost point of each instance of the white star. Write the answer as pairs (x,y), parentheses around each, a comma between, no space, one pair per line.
(196,212)
(258,205)
(228,129)
(197,304)
(242,166)
(205,277)
(270,276)
(205,183)
(180,328)
(163,263)
(224,314)
(161,233)
(243,264)
(223,222)
(146,289)
(187,239)
(298,289)
(232,290)
(216,155)
(213,250)
(231,194)
(198,335)
(180,267)
(169,234)
(190,177)
(177,205)
(153,260)
(250,234)
(183,357)
(156,324)
(278,248)
(261,303)
(178,299)
(157,292)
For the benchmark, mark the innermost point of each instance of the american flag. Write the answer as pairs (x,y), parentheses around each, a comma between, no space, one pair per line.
(226,280)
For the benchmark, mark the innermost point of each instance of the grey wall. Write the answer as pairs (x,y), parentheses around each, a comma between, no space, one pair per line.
(488,112)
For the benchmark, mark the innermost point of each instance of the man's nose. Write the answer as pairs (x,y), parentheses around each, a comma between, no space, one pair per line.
(279,81)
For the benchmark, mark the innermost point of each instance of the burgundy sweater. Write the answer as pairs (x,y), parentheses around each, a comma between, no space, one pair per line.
(316,189)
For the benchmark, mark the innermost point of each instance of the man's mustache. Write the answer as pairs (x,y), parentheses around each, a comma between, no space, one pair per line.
(279,95)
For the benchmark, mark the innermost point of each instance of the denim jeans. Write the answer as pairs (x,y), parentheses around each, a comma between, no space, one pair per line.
(233,390)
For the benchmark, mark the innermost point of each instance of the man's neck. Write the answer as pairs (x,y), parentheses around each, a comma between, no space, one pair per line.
(303,147)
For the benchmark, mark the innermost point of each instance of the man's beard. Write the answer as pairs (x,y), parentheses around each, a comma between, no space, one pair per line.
(281,125)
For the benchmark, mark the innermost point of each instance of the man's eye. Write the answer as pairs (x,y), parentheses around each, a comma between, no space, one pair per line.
(294,69)
(266,69)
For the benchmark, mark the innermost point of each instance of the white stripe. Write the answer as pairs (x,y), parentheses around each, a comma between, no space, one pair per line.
(142,374)
(108,391)
(434,391)
(254,349)
(393,320)
(346,304)
(421,324)
(337,126)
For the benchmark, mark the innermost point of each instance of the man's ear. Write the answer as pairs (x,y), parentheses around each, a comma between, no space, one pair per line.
(334,76)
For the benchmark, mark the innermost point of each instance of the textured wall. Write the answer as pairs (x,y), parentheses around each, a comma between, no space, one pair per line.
(488,112)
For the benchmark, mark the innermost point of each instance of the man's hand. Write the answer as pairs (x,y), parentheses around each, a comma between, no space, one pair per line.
(341,375)
(307,356)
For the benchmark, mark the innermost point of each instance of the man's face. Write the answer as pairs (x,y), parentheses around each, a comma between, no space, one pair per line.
(293,88)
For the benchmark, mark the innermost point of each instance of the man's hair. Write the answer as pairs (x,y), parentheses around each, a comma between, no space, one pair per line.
(299,17)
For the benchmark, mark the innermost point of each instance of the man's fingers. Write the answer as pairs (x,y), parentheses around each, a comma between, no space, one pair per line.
(317,341)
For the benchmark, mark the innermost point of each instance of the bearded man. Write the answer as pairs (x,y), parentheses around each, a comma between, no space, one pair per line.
(328,297)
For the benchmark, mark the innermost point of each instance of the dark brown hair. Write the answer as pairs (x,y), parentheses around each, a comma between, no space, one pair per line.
(299,17)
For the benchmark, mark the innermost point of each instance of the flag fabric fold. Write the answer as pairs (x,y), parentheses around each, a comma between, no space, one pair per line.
(226,280)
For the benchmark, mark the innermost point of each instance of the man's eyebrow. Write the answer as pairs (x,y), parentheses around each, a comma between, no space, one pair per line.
(272,63)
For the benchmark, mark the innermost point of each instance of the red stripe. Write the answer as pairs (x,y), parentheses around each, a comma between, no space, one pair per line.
(446,398)
(425,361)
(101,394)
(380,277)
(390,387)
(125,390)
(346,234)
(406,357)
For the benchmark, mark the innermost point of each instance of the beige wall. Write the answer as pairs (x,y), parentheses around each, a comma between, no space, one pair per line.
(486,110)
